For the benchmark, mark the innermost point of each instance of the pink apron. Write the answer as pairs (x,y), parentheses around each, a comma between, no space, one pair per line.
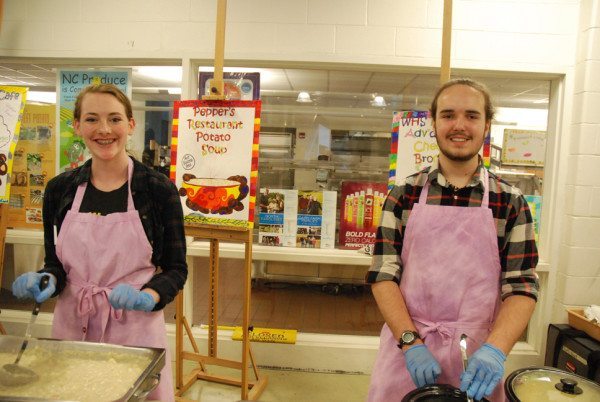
(98,253)
(451,285)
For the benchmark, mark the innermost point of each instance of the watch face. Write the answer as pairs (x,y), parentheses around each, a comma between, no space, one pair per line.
(408,337)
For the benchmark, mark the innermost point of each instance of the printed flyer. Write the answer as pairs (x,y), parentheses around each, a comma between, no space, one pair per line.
(214,160)
(12,102)
(535,206)
(71,151)
(277,217)
(316,219)
(33,165)
(360,214)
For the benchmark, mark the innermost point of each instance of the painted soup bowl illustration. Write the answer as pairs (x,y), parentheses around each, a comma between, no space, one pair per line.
(212,194)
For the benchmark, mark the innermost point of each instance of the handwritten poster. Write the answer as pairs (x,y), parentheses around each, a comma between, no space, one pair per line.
(214,154)
(12,102)
(71,151)
(33,165)
(413,144)
(524,147)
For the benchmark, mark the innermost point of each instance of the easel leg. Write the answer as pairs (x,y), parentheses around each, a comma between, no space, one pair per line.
(3,226)
(246,318)
(214,297)
(179,341)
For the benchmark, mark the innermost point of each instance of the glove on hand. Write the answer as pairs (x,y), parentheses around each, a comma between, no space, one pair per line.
(484,370)
(421,365)
(27,286)
(126,297)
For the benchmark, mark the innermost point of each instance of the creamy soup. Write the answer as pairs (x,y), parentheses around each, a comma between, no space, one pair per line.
(76,375)
(206,182)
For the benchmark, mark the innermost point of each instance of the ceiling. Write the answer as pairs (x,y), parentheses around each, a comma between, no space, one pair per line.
(341,98)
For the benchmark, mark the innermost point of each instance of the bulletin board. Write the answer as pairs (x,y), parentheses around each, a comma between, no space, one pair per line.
(214,160)
(33,165)
(523,147)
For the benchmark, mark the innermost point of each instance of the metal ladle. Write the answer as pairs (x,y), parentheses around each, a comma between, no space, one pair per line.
(12,374)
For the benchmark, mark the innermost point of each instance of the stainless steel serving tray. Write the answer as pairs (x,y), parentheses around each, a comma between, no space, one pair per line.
(138,391)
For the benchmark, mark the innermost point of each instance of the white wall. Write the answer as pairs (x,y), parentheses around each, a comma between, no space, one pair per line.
(578,276)
(525,36)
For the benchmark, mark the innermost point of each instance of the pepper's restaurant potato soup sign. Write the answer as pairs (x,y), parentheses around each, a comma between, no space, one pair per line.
(215,160)
(413,144)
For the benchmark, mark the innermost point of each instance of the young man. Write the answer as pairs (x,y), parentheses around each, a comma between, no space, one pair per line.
(455,253)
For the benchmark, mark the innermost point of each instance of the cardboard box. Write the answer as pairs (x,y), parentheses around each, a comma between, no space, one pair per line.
(577,320)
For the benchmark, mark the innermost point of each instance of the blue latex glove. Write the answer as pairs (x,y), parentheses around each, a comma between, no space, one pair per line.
(27,286)
(126,297)
(484,370)
(421,365)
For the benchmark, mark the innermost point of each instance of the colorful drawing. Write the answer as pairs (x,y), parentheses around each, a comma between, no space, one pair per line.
(12,102)
(214,160)
(214,196)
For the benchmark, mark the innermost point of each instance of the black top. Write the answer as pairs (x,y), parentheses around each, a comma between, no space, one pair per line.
(158,203)
(104,202)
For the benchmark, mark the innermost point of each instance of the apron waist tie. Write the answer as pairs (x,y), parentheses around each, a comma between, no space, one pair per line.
(446,328)
(86,306)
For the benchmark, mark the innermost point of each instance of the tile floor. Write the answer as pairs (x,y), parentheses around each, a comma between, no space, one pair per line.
(289,386)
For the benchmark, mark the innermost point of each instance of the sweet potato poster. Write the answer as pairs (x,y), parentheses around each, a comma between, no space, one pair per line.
(214,154)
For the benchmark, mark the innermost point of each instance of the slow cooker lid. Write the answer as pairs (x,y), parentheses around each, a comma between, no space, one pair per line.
(546,384)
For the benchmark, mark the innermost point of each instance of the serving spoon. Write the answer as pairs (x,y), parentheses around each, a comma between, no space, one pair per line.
(12,374)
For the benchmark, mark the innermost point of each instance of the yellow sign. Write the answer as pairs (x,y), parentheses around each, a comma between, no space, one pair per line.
(267,335)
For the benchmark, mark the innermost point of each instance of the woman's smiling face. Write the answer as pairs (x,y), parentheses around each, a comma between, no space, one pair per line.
(104,126)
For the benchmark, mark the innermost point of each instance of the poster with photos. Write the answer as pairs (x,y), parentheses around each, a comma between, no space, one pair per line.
(277,216)
(316,219)
(33,165)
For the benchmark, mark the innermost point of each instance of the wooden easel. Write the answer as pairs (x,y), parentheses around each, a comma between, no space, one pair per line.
(251,390)
(3,226)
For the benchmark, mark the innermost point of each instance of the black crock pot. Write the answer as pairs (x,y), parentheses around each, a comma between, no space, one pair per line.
(436,393)
(534,384)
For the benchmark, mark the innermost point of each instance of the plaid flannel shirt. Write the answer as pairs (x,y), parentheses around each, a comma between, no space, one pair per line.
(514,226)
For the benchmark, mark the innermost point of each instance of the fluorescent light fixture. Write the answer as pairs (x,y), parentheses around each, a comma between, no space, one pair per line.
(545,100)
(39,96)
(378,101)
(304,97)
(174,91)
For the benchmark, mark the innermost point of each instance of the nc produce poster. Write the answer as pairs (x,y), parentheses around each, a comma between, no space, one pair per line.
(71,151)
(360,212)
(214,160)
(12,102)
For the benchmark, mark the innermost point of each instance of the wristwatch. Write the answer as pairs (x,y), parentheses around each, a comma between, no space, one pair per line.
(408,338)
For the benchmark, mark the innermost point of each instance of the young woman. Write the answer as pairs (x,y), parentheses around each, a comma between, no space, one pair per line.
(108,226)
